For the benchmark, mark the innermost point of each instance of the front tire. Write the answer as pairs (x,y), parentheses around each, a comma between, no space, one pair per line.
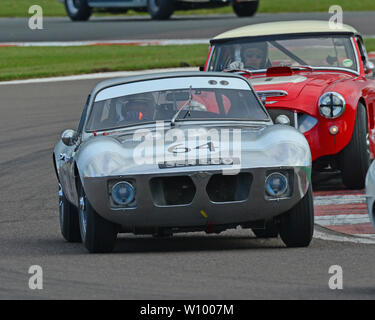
(245,9)
(69,221)
(78,10)
(160,9)
(98,235)
(297,224)
(355,157)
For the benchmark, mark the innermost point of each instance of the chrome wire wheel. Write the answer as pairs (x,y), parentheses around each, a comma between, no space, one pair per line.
(73,6)
(61,206)
(154,5)
(368,143)
(83,216)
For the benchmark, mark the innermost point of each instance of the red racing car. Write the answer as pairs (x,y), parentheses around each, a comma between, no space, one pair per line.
(319,78)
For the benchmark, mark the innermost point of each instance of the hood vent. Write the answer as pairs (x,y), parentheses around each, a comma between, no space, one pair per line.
(271,93)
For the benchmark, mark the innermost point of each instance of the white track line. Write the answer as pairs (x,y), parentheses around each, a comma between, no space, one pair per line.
(162,42)
(103,75)
(341,237)
(343,219)
(339,199)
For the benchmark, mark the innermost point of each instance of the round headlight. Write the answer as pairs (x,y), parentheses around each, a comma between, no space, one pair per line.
(123,193)
(331,105)
(276,184)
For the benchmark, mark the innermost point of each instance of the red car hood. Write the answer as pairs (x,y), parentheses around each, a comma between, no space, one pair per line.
(304,89)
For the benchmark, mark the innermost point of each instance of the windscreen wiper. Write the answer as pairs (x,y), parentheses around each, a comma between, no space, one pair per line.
(188,103)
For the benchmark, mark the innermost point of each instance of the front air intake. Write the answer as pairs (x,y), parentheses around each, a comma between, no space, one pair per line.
(229,188)
(169,191)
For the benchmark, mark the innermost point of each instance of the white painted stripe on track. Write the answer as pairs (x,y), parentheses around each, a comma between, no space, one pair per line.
(344,219)
(341,237)
(365,235)
(162,42)
(339,199)
(91,76)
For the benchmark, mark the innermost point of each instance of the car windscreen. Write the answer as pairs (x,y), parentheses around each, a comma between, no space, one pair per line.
(314,51)
(162,105)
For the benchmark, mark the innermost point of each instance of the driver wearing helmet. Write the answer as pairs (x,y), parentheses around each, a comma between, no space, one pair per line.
(136,110)
(255,56)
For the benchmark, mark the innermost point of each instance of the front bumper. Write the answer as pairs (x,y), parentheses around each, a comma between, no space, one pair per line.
(201,210)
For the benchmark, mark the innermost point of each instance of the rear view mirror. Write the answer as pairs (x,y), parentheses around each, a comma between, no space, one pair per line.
(178,96)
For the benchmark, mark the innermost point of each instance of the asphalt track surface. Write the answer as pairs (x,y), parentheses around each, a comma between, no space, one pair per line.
(142,27)
(232,265)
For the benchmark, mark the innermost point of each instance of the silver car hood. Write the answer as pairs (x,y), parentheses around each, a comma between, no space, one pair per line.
(257,146)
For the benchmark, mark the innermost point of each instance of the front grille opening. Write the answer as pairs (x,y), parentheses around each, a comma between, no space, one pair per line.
(169,191)
(229,188)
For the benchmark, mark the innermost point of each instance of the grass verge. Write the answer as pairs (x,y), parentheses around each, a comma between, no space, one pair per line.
(53,8)
(35,62)
(370,44)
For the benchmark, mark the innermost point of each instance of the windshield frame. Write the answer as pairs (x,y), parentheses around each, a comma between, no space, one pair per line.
(270,38)
(203,75)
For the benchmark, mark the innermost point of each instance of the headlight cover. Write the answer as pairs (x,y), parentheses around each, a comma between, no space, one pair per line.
(331,105)
(123,193)
(276,184)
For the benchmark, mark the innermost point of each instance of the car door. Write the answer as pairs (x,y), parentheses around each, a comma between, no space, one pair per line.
(67,158)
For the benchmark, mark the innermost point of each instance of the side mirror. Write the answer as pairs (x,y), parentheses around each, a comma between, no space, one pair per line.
(69,137)
(369,67)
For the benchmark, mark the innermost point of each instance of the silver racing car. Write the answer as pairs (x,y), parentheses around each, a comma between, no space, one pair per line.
(178,152)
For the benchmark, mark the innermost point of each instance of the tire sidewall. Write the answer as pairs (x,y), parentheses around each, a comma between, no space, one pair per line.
(81,13)
(297,225)
(160,9)
(245,9)
(68,218)
(357,151)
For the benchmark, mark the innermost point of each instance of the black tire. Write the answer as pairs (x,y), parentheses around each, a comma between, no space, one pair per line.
(69,221)
(355,157)
(271,230)
(245,9)
(297,225)
(160,9)
(98,235)
(77,10)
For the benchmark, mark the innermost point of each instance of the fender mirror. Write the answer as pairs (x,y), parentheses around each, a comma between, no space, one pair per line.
(69,137)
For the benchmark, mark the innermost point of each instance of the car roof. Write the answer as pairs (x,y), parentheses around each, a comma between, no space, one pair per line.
(159,75)
(284,28)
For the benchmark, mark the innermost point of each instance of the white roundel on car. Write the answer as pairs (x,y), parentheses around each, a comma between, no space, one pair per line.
(277,80)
